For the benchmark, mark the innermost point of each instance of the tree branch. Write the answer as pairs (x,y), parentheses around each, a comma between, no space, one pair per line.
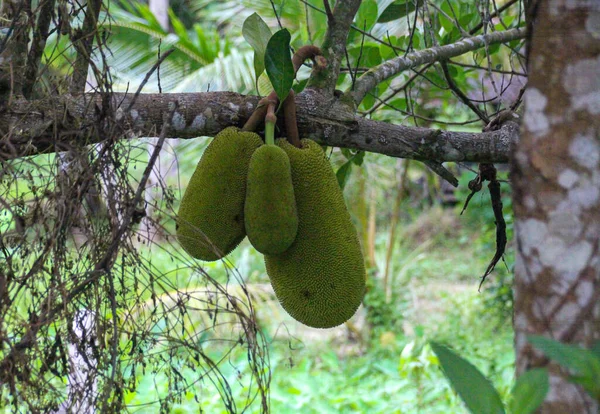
(398,64)
(334,45)
(57,124)
(40,35)
(83,41)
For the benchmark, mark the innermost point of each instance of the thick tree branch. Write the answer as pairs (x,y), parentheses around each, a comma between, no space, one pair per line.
(334,45)
(394,66)
(34,127)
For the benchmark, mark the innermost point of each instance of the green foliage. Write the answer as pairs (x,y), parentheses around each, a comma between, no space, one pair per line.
(366,16)
(582,363)
(343,173)
(278,63)
(257,34)
(476,391)
(529,391)
(382,315)
(399,9)
(480,396)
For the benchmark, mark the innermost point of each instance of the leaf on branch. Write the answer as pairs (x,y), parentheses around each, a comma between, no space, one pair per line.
(257,34)
(278,63)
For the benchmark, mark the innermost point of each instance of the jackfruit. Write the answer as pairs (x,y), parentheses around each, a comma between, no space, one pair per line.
(320,279)
(270,210)
(210,221)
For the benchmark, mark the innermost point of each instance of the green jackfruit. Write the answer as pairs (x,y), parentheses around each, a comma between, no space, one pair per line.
(320,279)
(210,221)
(270,211)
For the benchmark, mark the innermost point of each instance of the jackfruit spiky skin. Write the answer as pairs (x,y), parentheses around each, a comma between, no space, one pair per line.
(270,210)
(320,279)
(210,221)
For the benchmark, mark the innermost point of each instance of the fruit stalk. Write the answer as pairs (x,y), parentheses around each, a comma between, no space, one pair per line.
(270,121)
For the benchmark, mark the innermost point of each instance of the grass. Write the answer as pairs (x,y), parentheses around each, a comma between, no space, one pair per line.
(388,368)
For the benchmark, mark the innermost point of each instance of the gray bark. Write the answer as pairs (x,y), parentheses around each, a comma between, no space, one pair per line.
(58,123)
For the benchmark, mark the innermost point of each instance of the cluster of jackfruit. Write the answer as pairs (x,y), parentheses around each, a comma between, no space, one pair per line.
(287,200)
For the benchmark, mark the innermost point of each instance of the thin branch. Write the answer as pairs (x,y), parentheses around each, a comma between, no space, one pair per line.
(37,46)
(49,309)
(334,44)
(500,71)
(396,65)
(362,32)
(509,3)
(328,12)
(83,44)
(459,94)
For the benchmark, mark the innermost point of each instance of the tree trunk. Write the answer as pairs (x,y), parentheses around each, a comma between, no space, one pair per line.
(556,175)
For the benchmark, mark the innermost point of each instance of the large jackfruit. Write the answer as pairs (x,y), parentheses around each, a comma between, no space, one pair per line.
(210,221)
(320,279)
(270,211)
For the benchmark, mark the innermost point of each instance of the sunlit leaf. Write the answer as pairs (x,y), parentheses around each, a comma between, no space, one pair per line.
(278,63)
(257,34)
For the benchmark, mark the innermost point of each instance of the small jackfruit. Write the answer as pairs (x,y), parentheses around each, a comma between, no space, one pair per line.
(210,221)
(270,211)
(320,279)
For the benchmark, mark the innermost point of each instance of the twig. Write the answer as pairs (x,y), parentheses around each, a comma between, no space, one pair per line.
(37,46)
(396,65)
(47,311)
(328,12)
(83,42)
(459,94)
(147,77)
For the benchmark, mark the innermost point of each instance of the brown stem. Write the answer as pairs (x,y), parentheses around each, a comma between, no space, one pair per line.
(258,116)
(271,117)
(309,52)
(291,125)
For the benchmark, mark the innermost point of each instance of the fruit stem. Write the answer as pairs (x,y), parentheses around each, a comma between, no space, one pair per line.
(270,121)
(309,52)
(259,113)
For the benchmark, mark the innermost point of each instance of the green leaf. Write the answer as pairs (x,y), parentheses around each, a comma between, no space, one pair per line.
(366,17)
(582,362)
(257,34)
(596,349)
(476,391)
(278,63)
(529,391)
(343,173)
(358,158)
(398,10)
